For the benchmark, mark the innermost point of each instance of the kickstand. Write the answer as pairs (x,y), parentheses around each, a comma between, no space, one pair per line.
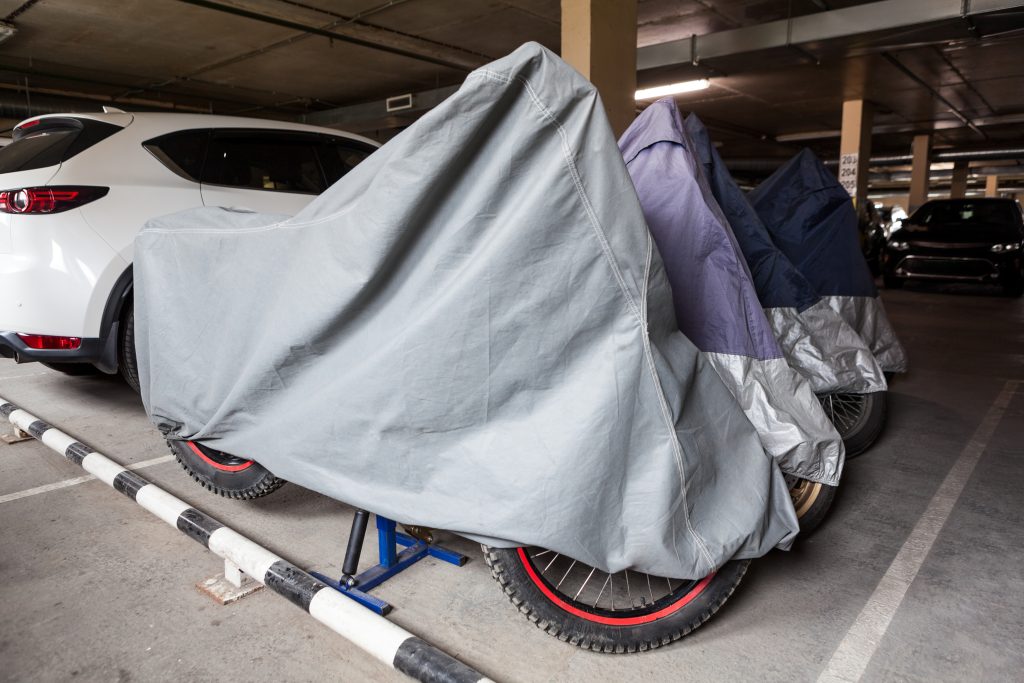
(391,560)
(17,437)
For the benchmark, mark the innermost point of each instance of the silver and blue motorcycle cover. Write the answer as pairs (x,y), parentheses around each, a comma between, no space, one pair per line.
(812,220)
(815,339)
(470,331)
(716,305)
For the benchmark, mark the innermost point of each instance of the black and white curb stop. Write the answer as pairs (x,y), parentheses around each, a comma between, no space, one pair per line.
(389,643)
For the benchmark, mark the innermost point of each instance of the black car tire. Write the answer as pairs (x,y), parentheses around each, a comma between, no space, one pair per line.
(864,422)
(1015,288)
(74,369)
(224,474)
(127,363)
(626,630)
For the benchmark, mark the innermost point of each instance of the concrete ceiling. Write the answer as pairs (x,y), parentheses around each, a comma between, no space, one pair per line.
(291,59)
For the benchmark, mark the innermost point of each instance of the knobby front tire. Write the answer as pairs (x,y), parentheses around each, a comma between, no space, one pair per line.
(577,604)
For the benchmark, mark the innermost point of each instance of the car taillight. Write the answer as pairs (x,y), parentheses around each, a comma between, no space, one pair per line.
(43,341)
(34,200)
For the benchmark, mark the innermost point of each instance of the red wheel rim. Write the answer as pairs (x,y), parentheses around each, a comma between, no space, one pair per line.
(224,467)
(603,618)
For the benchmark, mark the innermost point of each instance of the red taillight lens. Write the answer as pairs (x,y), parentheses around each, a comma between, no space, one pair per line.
(35,200)
(42,341)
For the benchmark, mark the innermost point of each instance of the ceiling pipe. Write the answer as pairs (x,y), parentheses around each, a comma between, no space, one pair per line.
(770,164)
(934,93)
(460,65)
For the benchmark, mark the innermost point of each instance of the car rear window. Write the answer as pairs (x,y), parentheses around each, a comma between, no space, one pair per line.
(182,152)
(255,159)
(51,142)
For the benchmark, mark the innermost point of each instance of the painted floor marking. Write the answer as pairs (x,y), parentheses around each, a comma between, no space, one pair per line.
(27,374)
(79,480)
(851,658)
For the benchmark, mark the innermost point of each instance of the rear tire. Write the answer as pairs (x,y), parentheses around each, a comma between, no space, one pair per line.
(859,418)
(224,474)
(635,628)
(812,501)
(127,363)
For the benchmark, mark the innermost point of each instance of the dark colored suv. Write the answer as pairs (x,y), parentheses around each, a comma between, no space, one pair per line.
(973,240)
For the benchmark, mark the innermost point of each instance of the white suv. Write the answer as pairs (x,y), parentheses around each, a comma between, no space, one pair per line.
(76,188)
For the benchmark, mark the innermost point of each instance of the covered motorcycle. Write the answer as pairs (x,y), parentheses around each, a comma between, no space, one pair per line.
(717,307)
(812,220)
(814,337)
(472,331)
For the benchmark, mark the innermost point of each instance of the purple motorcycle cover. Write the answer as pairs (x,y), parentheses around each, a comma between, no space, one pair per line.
(715,300)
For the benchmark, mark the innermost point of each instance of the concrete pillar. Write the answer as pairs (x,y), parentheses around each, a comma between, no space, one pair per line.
(599,41)
(958,185)
(922,148)
(855,149)
(992,186)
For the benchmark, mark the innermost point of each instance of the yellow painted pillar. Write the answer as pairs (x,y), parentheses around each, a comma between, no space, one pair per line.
(958,185)
(599,41)
(992,186)
(922,148)
(855,149)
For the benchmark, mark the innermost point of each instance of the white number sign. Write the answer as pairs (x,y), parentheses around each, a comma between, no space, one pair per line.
(848,173)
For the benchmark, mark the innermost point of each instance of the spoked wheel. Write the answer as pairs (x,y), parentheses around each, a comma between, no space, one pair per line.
(859,418)
(623,612)
(811,500)
(224,474)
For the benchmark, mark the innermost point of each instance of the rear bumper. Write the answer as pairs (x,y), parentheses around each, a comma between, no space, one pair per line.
(101,351)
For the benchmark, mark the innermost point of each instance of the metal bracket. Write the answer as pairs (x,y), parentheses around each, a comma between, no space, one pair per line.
(17,437)
(232,573)
(230,586)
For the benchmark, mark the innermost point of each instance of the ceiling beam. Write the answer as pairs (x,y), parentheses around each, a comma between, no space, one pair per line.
(837,23)
(363,35)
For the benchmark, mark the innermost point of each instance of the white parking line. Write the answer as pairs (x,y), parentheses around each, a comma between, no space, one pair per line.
(78,480)
(851,658)
(28,374)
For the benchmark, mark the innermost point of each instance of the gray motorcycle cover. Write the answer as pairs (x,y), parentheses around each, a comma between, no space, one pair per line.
(470,331)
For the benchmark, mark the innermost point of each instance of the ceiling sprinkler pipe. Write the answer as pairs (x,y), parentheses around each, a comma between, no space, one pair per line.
(770,164)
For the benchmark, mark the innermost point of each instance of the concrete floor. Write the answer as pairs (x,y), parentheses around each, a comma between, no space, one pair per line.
(93,588)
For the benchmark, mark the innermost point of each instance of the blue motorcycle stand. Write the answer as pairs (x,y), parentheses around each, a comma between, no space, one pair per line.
(392,561)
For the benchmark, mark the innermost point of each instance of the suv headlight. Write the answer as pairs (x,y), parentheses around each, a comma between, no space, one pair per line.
(899,246)
(999,248)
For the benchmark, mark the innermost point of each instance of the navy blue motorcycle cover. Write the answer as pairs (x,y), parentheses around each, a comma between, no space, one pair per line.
(812,220)
(815,339)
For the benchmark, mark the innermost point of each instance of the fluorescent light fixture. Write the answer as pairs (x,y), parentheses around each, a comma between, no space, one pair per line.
(671,89)
(809,135)
(7,30)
